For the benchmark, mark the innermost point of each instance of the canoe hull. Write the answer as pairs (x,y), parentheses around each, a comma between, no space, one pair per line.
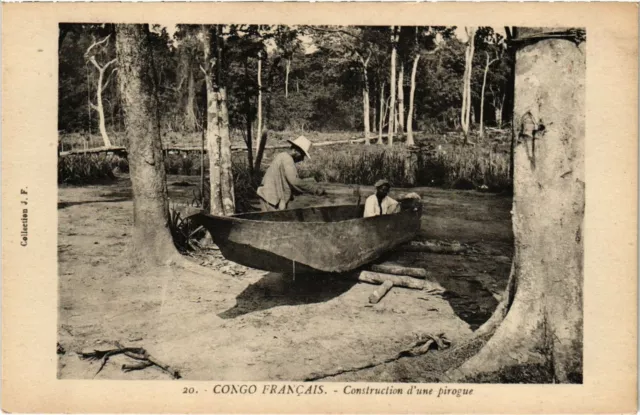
(329,239)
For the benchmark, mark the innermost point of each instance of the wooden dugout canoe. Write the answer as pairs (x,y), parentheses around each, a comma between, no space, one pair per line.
(329,239)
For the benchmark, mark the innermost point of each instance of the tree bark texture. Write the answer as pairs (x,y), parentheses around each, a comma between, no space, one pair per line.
(222,200)
(543,309)
(136,77)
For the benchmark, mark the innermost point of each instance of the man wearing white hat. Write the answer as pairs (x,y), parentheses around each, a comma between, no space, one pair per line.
(281,179)
(380,203)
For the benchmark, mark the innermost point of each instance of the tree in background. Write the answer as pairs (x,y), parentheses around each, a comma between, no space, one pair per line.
(101,48)
(392,84)
(287,39)
(321,97)
(465,113)
(424,41)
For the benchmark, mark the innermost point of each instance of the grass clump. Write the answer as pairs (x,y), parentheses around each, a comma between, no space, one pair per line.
(82,169)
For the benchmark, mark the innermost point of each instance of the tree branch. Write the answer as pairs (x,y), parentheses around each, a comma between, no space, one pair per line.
(93,61)
(109,63)
(106,39)
(109,78)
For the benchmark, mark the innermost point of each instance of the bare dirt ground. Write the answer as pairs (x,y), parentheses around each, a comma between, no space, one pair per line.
(234,323)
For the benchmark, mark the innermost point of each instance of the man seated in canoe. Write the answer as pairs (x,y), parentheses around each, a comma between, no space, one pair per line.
(380,203)
(281,180)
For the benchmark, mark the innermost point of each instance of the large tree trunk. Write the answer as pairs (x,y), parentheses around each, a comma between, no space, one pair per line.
(213,127)
(226,174)
(392,86)
(365,101)
(466,88)
(400,128)
(152,240)
(412,91)
(543,310)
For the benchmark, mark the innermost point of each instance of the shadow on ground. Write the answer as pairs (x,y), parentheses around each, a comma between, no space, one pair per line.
(470,301)
(62,205)
(275,290)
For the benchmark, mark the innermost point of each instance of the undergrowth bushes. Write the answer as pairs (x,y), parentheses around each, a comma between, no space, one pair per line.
(459,167)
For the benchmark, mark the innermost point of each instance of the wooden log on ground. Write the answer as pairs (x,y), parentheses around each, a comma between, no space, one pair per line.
(380,292)
(431,247)
(404,281)
(400,270)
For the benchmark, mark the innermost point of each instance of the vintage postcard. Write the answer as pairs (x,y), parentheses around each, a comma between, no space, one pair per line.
(319,208)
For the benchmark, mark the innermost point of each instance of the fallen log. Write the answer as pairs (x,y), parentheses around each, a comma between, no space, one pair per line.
(404,281)
(400,270)
(380,292)
(431,247)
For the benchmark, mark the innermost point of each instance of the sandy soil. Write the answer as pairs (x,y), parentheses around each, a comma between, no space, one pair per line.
(229,322)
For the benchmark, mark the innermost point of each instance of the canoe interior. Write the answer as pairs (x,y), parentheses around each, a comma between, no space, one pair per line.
(316,214)
(326,239)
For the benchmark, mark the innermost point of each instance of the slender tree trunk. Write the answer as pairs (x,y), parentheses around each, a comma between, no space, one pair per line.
(226,171)
(247,103)
(365,102)
(414,70)
(392,86)
(466,99)
(286,81)
(381,115)
(100,87)
(227,196)
(374,108)
(400,128)
(259,128)
(484,84)
(190,110)
(213,127)
(542,313)
(152,242)
(100,109)
(499,109)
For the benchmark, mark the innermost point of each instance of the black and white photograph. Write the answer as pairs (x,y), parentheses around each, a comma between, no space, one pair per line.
(318,203)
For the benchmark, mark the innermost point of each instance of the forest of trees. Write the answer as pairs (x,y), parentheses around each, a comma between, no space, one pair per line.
(297,78)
